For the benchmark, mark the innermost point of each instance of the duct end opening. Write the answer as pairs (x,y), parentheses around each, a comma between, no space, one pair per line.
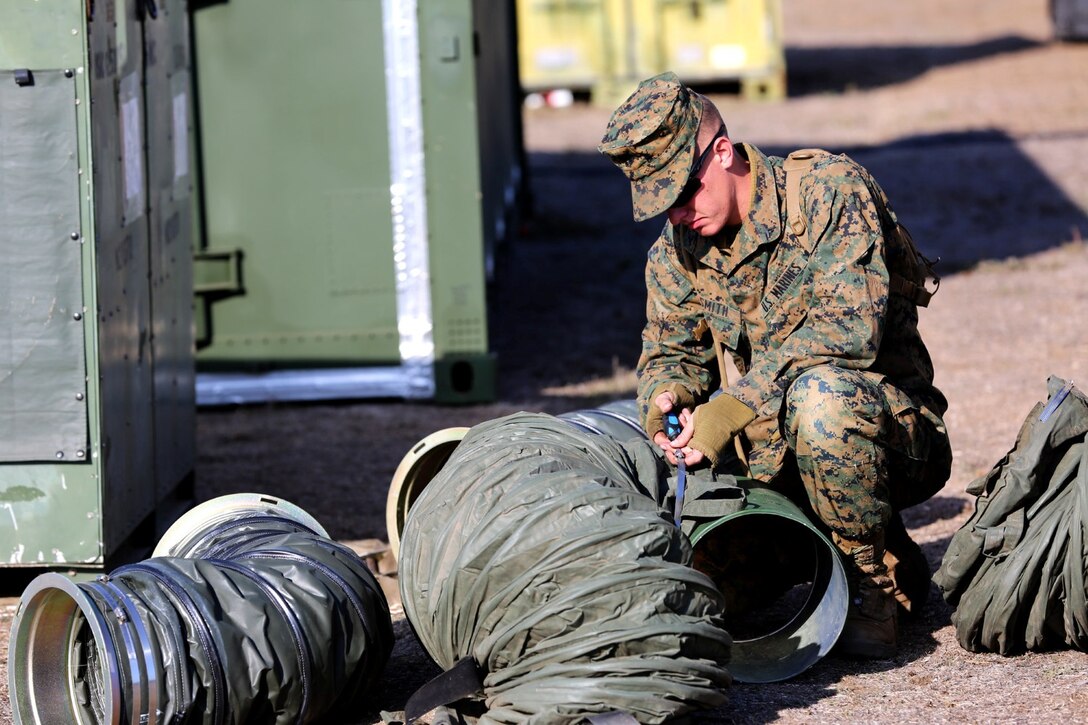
(785,588)
(61,659)
(418,467)
(187,532)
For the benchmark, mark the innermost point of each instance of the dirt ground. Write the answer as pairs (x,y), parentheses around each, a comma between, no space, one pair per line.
(976,123)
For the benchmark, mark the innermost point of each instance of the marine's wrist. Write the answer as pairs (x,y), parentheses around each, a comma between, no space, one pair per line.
(717,422)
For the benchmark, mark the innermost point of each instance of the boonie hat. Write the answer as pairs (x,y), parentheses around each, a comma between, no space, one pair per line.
(651,137)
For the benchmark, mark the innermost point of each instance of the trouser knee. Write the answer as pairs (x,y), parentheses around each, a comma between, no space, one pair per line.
(835,420)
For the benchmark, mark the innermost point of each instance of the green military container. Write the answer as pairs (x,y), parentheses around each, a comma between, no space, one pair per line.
(97,420)
(360,164)
(607,46)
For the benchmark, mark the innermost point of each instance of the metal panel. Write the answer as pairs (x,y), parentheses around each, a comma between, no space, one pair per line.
(502,156)
(43,414)
(455,243)
(409,192)
(713,40)
(296,162)
(50,514)
(169,171)
(131,270)
(568,43)
(357,205)
(42,34)
(122,268)
(51,511)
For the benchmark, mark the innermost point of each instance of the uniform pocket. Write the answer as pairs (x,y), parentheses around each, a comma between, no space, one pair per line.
(920,458)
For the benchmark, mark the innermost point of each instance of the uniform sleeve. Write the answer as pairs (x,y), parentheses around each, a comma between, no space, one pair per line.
(676,344)
(835,310)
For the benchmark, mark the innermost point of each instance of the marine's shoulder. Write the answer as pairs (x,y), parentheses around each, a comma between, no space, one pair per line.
(828,176)
(830,167)
(819,166)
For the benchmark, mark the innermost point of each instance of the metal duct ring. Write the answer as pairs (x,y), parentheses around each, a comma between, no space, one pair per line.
(414,472)
(805,630)
(186,533)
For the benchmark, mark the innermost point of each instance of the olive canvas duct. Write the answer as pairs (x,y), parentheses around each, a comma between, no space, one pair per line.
(784,584)
(538,552)
(247,614)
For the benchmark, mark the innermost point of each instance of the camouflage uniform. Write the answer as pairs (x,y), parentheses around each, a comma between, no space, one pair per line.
(828,357)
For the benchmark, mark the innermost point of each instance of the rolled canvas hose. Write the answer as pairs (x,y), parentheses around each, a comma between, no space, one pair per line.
(810,611)
(248,613)
(538,551)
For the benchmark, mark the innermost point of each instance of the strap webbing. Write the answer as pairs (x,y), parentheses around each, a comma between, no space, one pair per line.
(458,682)
(795,166)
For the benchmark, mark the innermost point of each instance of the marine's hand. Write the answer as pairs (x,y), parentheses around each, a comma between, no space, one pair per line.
(718,421)
(692,456)
(664,401)
(666,398)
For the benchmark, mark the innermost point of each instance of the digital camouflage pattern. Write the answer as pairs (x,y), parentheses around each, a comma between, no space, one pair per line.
(832,419)
(651,138)
(776,307)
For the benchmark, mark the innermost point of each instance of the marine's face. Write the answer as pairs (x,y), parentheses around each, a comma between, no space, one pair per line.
(705,206)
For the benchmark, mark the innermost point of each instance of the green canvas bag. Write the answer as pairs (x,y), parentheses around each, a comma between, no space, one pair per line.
(1015,571)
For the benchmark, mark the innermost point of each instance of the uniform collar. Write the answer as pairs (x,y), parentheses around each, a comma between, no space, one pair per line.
(763,224)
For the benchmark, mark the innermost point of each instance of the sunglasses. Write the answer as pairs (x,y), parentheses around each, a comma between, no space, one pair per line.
(693,184)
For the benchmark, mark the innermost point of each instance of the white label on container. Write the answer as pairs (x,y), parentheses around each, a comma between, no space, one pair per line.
(181,136)
(132,149)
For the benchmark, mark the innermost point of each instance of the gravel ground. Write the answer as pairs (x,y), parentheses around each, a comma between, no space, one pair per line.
(976,123)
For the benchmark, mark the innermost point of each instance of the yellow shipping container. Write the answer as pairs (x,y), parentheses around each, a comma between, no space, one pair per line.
(607,46)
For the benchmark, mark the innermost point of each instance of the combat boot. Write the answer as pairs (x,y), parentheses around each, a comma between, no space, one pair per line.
(871,620)
(907,566)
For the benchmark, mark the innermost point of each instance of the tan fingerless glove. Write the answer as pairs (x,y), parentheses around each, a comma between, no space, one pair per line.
(655,418)
(717,422)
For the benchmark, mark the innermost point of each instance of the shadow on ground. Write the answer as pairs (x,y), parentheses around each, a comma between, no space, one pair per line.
(815,70)
(823,70)
(938,508)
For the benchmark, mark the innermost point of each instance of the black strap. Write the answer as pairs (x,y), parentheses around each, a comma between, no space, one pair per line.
(458,682)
